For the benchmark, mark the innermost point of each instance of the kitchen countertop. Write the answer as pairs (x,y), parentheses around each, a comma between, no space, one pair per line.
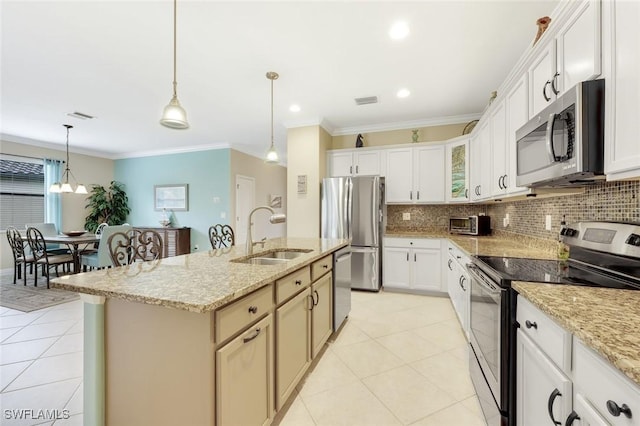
(197,282)
(502,244)
(607,320)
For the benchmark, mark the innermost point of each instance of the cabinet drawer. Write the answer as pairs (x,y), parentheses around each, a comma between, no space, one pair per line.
(412,242)
(292,283)
(599,382)
(241,313)
(321,267)
(549,336)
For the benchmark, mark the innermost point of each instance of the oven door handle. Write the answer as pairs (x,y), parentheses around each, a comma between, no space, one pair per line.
(482,281)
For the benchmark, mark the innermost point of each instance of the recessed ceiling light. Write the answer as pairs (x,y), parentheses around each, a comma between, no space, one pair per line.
(399,30)
(294,108)
(403,93)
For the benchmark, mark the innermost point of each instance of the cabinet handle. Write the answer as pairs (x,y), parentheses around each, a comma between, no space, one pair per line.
(312,302)
(407,256)
(530,324)
(466,193)
(350,170)
(556,393)
(572,417)
(615,410)
(505,182)
(248,339)
(544,91)
(325,266)
(298,282)
(553,83)
(411,195)
(449,264)
(417,195)
(415,257)
(356,169)
(461,282)
(253,309)
(317,299)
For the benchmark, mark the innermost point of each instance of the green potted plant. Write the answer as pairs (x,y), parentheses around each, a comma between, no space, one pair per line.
(109,206)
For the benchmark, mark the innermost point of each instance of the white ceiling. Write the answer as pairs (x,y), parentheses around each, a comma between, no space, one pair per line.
(113,59)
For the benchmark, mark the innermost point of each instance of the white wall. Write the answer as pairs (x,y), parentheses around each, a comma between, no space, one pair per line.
(87,169)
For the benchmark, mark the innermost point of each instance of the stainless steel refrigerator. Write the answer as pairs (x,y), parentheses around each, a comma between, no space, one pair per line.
(354,208)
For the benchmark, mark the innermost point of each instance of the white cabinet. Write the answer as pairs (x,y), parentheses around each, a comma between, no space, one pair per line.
(480,146)
(498,121)
(574,55)
(517,105)
(544,392)
(622,94)
(412,264)
(415,175)
(458,285)
(354,163)
(457,171)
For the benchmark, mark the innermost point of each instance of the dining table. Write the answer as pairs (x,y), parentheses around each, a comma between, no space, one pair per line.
(76,244)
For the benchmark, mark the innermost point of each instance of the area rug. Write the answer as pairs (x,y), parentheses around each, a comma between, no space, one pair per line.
(29,298)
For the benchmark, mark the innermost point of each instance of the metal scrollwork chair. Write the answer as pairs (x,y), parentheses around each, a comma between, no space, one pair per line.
(20,258)
(134,246)
(42,257)
(221,236)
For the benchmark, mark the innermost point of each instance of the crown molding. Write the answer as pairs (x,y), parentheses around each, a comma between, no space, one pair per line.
(169,151)
(439,121)
(54,146)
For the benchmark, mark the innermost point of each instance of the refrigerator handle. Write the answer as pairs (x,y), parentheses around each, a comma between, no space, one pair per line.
(349,207)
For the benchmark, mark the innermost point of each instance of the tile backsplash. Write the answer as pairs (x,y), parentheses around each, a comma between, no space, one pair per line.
(615,201)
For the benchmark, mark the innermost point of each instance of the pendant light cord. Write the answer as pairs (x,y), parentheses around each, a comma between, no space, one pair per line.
(175,47)
(66,171)
(271,112)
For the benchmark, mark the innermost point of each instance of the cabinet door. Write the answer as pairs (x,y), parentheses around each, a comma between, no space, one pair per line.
(475,165)
(540,75)
(322,313)
(622,150)
(293,354)
(540,385)
(429,174)
(452,277)
(458,171)
(426,268)
(366,163)
(396,267)
(517,116)
(340,164)
(244,378)
(399,181)
(498,156)
(579,44)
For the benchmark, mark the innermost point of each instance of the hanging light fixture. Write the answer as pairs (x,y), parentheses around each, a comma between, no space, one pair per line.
(66,186)
(174,115)
(272,154)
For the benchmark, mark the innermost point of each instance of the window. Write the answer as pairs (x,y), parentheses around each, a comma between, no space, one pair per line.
(22,191)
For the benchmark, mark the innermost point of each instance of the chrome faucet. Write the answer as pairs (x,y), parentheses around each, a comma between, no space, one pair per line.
(274,218)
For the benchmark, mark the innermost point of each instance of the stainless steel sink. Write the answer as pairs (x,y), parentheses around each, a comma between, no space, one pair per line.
(275,257)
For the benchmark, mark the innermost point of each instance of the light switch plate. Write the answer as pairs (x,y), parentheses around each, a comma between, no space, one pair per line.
(547,222)
(223,215)
(406,216)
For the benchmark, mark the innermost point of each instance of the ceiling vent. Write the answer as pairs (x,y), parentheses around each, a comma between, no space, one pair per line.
(367,100)
(80,115)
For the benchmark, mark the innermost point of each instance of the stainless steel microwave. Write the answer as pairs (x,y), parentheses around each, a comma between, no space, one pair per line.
(470,225)
(564,144)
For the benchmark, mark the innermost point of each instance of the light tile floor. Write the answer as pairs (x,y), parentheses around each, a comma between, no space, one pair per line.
(399,359)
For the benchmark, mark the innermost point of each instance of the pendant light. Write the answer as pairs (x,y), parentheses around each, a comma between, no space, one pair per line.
(272,154)
(66,186)
(174,116)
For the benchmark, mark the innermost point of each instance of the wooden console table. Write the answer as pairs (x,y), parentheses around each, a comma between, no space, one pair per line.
(175,241)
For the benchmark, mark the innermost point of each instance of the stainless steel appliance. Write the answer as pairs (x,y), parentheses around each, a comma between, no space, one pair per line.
(341,286)
(564,144)
(602,254)
(353,208)
(470,225)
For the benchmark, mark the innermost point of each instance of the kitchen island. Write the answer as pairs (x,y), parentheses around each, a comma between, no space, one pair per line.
(164,339)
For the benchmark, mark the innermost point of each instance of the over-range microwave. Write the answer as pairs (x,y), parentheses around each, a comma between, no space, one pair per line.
(470,225)
(564,144)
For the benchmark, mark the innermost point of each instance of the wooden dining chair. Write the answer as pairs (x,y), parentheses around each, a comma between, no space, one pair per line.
(136,245)
(20,258)
(43,258)
(221,236)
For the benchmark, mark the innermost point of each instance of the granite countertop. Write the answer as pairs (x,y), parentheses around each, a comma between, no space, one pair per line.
(605,319)
(503,244)
(197,282)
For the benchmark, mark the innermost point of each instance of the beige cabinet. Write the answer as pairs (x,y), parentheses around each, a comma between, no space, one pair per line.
(293,352)
(322,313)
(244,380)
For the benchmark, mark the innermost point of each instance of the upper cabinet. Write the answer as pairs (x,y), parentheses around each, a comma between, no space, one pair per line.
(480,146)
(457,172)
(622,92)
(517,113)
(574,55)
(498,120)
(415,175)
(354,163)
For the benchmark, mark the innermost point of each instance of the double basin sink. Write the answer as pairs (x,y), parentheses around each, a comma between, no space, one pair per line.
(275,257)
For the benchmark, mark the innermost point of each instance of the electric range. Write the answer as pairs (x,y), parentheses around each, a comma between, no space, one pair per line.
(602,254)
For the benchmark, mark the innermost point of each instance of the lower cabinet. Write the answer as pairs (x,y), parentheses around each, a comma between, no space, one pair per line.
(412,264)
(322,313)
(458,285)
(244,382)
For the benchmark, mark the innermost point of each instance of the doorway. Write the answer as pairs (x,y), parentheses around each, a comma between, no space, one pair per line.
(245,202)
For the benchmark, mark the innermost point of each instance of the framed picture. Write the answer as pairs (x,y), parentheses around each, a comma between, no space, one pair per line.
(171,197)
